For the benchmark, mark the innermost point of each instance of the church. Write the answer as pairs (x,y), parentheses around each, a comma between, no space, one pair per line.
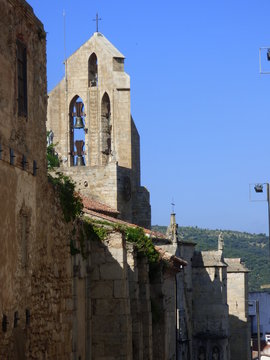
(97,140)
(100,285)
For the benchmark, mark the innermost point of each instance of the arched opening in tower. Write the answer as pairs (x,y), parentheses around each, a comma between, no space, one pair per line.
(93,71)
(106,129)
(77,132)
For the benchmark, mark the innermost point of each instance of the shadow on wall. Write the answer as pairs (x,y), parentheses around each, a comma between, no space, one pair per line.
(209,307)
(238,339)
(114,317)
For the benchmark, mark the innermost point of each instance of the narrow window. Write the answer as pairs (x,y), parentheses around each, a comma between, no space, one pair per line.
(202,353)
(215,353)
(93,71)
(22,78)
(77,133)
(106,129)
(24,239)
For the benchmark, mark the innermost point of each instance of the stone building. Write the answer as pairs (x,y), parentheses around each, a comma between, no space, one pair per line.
(240,333)
(35,279)
(81,289)
(63,295)
(97,140)
(124,307)
(212,298)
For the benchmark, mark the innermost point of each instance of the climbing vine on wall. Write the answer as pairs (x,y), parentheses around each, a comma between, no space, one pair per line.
(143,243)
(71,202)
(52,157)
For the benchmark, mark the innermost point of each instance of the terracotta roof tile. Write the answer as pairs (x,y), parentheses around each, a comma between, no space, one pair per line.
(175,262)
(91,204)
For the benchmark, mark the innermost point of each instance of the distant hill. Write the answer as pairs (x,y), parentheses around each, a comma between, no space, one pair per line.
(251,248)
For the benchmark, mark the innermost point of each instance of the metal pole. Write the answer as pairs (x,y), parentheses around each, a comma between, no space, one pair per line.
(258,329)
(268,202)
(260,60)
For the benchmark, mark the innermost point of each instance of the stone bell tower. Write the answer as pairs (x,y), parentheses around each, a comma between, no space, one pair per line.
(95,136)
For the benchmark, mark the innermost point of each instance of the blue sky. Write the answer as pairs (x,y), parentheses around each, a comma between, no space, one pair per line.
(198,100)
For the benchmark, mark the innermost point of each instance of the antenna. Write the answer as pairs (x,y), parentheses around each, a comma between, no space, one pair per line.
(173,205)
(65,53)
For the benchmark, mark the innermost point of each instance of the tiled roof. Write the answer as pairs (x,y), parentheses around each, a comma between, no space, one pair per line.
(235,265)
(107,217)
(97,206)
(175,262)
(208,259)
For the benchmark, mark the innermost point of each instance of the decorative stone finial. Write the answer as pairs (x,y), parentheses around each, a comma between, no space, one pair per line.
(220,242)
(172,233)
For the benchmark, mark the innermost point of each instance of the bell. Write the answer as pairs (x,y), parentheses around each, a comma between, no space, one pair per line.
(80,161)
(79,123)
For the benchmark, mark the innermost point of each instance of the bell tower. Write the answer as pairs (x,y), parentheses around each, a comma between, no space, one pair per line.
(95,136)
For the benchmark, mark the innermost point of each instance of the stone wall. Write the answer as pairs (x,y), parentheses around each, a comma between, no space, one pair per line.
(111,325)
(121,302)
(114,83)
(163,302)
(35,278)
(135,304)
(99,183)
(237,289)
(106,122)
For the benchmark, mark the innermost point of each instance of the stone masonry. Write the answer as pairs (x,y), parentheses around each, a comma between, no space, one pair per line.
(110,173)
(35,279)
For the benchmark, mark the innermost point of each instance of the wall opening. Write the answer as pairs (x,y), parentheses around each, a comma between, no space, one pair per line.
(77,132)
(215,353)
(106,129)
(202,353)
(93,71)
(22,78)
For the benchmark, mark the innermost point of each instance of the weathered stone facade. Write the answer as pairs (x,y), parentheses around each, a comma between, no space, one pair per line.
(110,171)
(212,321)
(102,301)
(237,297)
(35,290)
(128,311)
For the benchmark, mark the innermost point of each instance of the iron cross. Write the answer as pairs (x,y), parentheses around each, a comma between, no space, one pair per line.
(96,20)
(173,205)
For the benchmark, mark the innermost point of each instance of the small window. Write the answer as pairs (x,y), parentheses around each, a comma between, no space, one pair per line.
(202,353)
(215,353)
(93,71)
(24,238)
(22,78)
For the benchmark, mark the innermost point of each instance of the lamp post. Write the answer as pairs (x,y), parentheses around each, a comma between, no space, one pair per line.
(259,189)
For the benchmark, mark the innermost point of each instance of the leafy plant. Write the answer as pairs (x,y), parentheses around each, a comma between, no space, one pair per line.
(144,244)
(52,158)
(71,202)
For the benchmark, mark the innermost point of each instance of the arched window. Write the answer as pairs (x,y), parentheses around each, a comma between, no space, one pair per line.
(202,353)
(77,133)
(215,353)
(106,129)
(92,71)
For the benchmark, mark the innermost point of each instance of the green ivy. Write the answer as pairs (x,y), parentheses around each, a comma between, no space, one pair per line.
(71,203)
(94,232)
(85,231)
(52,158)
(143,243)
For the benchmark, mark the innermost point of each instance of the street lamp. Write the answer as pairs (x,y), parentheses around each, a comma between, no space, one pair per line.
(263,50)
(259,188)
